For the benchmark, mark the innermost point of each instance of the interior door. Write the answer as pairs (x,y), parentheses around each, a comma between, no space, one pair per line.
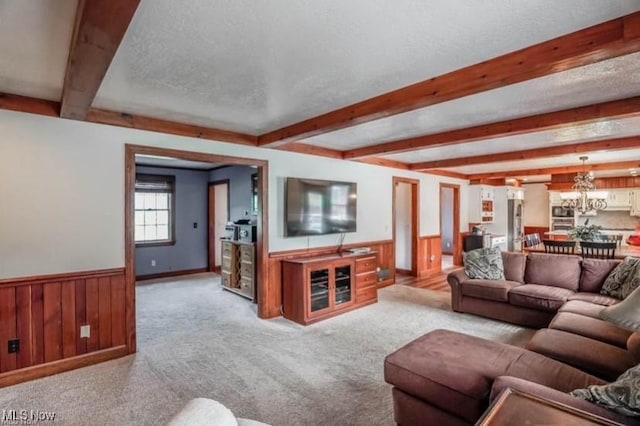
(218,218)
(403,226)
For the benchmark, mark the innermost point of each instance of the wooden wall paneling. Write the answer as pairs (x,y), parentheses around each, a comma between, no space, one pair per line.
(37,326)
(104,311)
(81,315)
(69,318)
(8,331)
(24,329)
(457,253)
(52,322)
(431,261)
(118,330)
(93,314)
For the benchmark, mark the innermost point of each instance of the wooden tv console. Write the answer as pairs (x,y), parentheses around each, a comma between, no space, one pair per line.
(317,288)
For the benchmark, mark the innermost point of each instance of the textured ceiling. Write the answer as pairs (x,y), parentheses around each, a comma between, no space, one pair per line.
(604,81)
(35,36)
(254,66)
(601,130)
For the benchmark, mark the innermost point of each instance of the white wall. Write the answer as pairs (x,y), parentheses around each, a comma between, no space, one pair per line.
(62,193)
(536,205)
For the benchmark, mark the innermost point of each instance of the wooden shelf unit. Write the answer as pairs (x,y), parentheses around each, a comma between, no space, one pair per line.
(318,288)
(238,268)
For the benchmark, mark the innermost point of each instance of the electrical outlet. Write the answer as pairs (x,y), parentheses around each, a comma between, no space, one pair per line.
(195,225)
(85,331)
(153,262)
(14,346)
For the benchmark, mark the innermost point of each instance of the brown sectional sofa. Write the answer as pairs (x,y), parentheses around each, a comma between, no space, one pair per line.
(536,286)
(450,378)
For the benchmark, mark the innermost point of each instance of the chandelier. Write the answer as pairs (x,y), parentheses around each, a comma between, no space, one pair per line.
(584,198)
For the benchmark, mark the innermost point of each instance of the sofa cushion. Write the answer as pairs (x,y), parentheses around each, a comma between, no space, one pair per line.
(592,328)
(488,289)
(531,388)
(514,265)
(484,264)
(557,270)
(622,396)
(595,272)
(623,279)
(583,308)
(595,298)
(601,359)
(542,297)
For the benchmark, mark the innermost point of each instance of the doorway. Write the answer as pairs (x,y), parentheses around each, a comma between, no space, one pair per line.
(449,222)
(218,214)
(405,224)
(264,292)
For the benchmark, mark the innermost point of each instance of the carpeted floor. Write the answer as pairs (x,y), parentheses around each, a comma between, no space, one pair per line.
(197,340)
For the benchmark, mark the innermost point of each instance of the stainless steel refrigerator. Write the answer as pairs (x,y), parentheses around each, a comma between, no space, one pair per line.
(515,225)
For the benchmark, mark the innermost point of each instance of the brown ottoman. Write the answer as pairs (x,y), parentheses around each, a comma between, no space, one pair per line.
(445,377)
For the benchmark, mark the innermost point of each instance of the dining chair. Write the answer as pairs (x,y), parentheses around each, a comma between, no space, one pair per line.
(598,249)
(559,247)
(617,238)
(535,239)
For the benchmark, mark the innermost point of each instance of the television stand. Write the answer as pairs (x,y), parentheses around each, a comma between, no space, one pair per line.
(321,287)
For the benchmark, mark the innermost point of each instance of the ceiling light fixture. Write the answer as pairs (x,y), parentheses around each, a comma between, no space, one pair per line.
(584,197)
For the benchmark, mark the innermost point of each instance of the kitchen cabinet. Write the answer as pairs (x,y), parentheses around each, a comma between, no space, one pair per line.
(619,199)
(481,204)
(635,202)
(515,194)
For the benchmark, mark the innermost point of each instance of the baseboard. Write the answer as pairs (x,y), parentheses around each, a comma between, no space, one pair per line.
(404,271)
(14,377)
(171,274)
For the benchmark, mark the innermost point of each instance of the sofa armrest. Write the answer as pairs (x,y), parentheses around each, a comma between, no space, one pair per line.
(454,279)
(503,382)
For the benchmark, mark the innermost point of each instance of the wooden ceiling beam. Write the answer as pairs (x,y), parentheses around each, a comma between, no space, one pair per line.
(623,108)
(170,127)
(594,44)
(529,154)
(29,105)
(99,28)
(557,170)
(447,173)
(385,163)
(301,148)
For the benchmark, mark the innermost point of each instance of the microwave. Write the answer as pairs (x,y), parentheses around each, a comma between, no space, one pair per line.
(557,211)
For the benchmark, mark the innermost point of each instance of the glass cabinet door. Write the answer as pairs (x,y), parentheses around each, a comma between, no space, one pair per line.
(319,289)
(343,285)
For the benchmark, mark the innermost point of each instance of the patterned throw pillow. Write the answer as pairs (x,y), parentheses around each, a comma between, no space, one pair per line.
(484,264)
(622,396)
(623,279)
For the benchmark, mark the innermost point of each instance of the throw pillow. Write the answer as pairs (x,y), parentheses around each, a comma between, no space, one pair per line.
(623,279)
(484,264)
(622,396)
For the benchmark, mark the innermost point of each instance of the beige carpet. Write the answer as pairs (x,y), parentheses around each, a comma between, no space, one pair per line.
(196,340)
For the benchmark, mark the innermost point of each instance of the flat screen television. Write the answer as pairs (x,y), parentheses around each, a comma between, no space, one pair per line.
(318,207)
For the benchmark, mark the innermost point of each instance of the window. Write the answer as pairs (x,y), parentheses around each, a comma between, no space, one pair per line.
(154,210)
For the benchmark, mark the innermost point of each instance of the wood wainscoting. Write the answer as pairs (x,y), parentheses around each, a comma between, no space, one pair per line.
(46,312)
(386,260)
(429,255)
